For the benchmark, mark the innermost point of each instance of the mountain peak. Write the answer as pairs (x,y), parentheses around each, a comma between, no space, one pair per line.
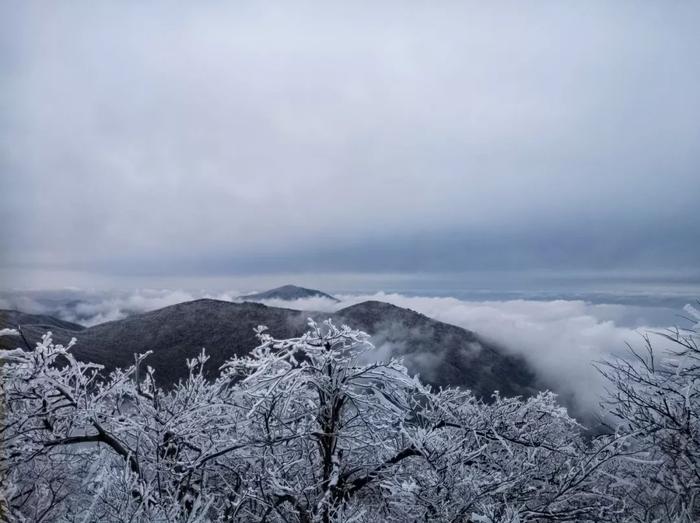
(443,354)
(288,293)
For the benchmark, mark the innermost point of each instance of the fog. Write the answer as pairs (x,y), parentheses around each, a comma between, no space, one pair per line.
(561,339)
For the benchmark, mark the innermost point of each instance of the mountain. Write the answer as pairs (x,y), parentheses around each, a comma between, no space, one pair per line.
(443,354)
(288,293)
(10,319)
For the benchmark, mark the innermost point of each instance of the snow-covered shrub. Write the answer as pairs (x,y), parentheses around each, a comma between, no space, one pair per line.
(305,430)
(655,404)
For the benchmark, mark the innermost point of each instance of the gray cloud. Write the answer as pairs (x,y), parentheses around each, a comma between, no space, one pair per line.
(214,138)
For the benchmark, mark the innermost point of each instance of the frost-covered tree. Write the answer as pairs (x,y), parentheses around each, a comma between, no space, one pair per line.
(353,441)
(302,429)
(655,404)
(119,449)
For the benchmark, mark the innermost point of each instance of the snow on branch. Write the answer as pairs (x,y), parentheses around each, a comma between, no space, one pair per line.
(304,429)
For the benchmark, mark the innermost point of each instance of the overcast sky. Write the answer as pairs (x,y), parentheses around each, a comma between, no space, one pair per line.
(209,139)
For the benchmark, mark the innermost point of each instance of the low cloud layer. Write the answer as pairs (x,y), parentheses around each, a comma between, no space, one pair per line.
(91,308)
(560,339)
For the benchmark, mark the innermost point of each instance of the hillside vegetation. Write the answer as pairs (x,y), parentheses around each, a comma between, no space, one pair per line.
(304,429)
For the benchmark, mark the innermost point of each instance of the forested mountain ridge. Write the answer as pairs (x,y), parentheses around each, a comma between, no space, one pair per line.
(288,293)
(442,354)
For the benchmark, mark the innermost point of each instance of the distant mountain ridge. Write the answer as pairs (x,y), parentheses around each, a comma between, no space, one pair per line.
(288,293)
(10,319)
(443,354)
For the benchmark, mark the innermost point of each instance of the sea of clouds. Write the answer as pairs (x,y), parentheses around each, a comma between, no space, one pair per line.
(560,339)
(90,308)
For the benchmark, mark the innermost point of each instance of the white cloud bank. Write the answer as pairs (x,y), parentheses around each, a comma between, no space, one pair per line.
(92,308)
(560,339)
